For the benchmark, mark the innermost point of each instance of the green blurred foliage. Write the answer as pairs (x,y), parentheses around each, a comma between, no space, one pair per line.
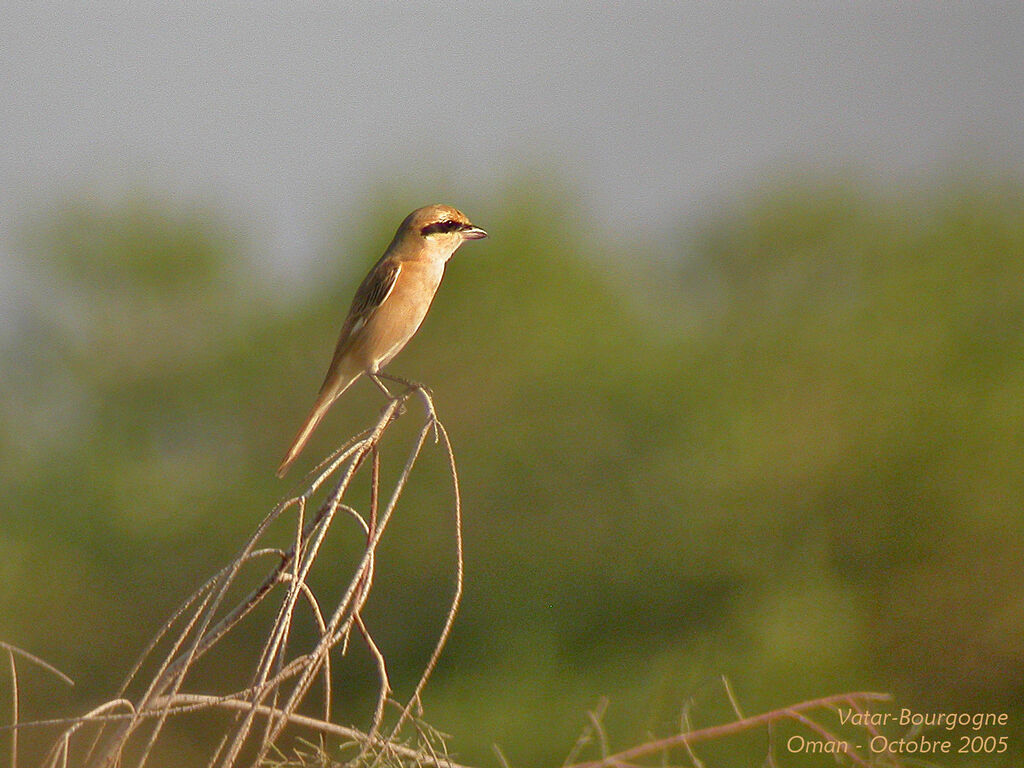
(792,453)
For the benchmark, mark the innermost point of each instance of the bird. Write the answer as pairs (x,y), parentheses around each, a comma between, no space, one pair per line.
(389,306)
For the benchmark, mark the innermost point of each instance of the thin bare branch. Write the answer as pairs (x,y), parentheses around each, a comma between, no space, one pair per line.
(727,729)
(459,570)
(332,729)
(828,736)
(732,697)
(15,717)
(36,660)
(586,735)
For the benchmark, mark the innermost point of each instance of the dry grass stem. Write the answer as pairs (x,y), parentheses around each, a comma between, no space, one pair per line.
(13,653)
(587,734)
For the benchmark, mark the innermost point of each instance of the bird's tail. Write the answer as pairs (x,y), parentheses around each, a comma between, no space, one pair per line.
(329,392)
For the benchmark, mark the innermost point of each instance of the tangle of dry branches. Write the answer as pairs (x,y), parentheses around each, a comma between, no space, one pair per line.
(126,729)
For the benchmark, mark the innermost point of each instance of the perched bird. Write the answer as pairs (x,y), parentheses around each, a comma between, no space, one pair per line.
(389,306)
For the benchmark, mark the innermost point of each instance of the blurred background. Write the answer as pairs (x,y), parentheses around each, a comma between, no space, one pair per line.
(736,386)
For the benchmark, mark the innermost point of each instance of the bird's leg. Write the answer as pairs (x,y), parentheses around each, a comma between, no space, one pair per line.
(375,378)
(414,386)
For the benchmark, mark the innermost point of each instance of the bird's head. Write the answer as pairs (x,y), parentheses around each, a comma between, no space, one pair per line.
(440,228)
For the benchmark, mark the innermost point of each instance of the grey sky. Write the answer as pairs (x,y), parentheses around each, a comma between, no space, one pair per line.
(280,112)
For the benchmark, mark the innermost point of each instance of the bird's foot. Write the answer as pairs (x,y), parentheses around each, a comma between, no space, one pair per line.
(425,392)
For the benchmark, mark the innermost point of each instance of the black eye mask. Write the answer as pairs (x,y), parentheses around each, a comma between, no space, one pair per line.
(442,226)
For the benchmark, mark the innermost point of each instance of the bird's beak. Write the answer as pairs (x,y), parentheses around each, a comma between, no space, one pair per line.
(473,233)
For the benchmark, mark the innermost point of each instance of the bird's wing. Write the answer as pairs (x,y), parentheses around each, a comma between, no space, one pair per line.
(372,292)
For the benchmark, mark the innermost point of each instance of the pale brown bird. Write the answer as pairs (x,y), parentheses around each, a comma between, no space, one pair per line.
(389,306)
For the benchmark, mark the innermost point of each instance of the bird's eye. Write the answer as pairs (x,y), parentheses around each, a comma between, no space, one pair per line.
(441,226)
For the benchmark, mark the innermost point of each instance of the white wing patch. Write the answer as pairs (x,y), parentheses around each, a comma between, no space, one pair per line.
(357,325)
